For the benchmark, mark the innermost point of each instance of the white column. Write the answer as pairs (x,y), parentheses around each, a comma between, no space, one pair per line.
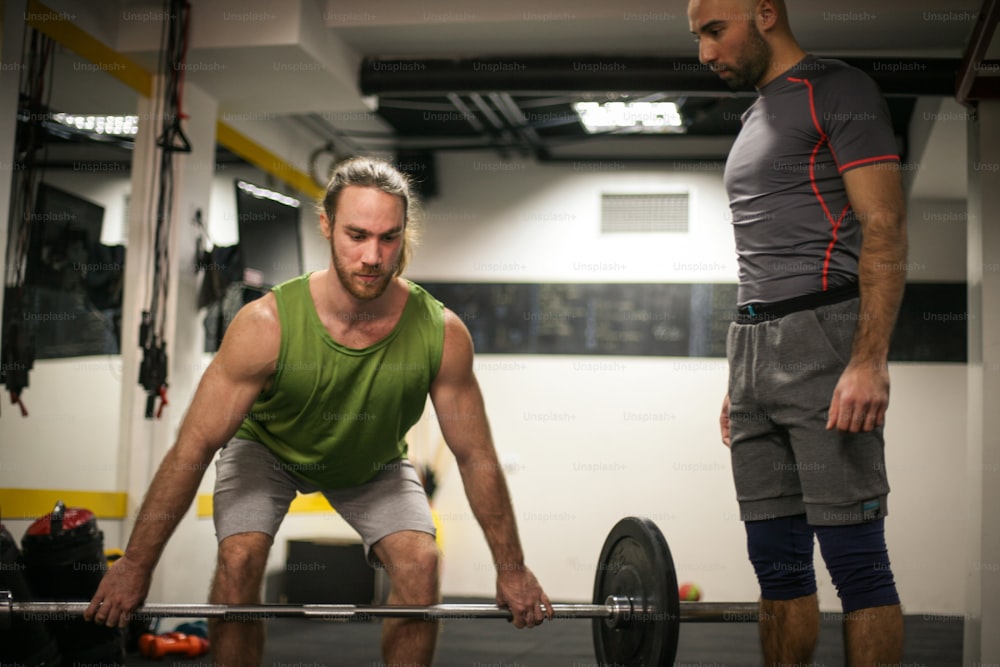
(982,641)
(192,543)
(136,433)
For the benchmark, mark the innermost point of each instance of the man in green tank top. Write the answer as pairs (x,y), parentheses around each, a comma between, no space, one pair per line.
(314,388)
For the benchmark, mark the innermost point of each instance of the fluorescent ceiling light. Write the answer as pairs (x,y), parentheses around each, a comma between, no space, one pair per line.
(118,126)
(653,117)
(264,193)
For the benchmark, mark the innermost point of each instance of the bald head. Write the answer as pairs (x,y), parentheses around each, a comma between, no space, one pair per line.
(746,42)
(771,16)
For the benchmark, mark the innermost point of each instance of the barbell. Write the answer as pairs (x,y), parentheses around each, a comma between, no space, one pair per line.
(636,609)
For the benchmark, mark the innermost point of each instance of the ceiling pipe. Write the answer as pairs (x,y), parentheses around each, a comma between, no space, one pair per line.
(515,118)
(600,74)
(466,112)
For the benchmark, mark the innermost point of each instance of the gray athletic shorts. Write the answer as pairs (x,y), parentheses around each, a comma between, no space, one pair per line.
(253,489)
(782,374)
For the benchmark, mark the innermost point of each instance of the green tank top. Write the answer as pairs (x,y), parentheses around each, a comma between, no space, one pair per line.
(337,415)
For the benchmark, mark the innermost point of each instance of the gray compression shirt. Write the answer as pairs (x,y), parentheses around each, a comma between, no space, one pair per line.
(795,231)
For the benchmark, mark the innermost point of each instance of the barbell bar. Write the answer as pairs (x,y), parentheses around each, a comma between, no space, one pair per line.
(636,610)
(616,610)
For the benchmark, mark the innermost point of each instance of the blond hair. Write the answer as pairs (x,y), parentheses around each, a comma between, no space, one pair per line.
(369,172)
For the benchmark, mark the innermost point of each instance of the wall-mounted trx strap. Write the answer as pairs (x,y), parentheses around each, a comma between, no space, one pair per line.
(171,140)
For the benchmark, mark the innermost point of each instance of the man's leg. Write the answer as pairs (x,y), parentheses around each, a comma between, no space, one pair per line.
(858,561)
(411,558)
(874,636)
(788,630)
(238,577)
(781,550)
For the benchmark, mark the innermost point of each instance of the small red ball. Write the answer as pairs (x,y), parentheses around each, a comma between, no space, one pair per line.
(689,592)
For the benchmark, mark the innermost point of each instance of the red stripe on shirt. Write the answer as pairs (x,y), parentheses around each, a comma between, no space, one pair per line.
(833,242)
(834,224)
(879,158)
(823,139)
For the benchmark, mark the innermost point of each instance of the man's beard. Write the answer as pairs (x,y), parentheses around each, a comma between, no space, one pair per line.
(752,64)
(365,291)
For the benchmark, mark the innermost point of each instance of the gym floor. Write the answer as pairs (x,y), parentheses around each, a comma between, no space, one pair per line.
(930,642)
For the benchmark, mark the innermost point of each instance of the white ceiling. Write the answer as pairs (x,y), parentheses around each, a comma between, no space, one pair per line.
(291,57)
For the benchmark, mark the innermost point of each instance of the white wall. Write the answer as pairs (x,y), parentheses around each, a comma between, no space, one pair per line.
(585,440)
(937,240)
(519,221)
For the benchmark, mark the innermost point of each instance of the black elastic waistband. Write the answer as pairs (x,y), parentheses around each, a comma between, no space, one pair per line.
(762,312)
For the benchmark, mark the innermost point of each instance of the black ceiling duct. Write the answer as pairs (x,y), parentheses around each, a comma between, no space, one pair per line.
(600,74)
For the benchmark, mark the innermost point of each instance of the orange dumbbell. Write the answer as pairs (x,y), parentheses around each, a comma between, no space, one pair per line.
(157,646)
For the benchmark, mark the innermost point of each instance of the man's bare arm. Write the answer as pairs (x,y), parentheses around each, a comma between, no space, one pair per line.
(861,397)
(225,394)
(461,413)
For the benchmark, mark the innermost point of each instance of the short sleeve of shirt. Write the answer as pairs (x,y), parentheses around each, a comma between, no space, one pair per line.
(855,117)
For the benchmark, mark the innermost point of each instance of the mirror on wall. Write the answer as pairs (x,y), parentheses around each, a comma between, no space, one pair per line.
(76,128)
(67,238)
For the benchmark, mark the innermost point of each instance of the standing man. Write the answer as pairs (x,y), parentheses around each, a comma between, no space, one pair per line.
(818,213)
(314,388)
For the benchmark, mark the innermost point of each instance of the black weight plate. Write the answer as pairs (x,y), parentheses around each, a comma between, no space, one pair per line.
(635,562)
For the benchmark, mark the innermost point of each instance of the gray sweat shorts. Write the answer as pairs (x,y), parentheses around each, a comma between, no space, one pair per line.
(253,489)
(782,374)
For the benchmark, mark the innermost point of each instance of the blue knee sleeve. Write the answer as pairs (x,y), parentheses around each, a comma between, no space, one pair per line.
(858,562)
(781,551)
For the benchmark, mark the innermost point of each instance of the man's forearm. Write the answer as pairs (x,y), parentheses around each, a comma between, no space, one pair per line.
(489,498)
(169,496)
(882,279)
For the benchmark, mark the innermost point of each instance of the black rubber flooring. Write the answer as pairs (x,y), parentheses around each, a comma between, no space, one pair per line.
(930,641)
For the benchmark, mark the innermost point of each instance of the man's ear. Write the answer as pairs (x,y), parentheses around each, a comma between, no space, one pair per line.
(325,226)
(765,15)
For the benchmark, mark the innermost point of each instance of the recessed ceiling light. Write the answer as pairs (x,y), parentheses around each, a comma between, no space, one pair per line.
(264,193)
(118,126)
(645,117)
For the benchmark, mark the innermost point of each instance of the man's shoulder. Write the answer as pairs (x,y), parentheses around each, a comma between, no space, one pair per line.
(831,73)
(291,285)
(261,314)
(419,294)
(253,338)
